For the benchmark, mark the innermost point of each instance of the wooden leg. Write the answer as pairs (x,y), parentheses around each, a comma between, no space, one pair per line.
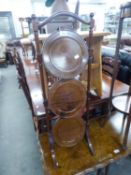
(51,144)
(107,116)
(98,172)
(124,118)
(107,169)
(123,123)
(127,131)
(35,121)
(87,137)
(53,156)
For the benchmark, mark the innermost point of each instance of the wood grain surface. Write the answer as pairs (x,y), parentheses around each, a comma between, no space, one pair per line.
(78,160)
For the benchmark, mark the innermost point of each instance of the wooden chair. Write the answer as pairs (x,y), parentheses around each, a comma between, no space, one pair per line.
(23,82)
(110,68)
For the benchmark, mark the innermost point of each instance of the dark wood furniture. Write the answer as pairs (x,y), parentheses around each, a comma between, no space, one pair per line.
(104,150)
(78,160)
(110,68)
(34,85)
(33,81)
(22,79)
(107,147)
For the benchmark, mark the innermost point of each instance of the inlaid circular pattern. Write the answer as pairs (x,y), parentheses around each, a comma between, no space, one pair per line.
(68,132)
(65,54)
(67,98)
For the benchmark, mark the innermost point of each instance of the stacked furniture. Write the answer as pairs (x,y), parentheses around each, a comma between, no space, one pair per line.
(61,76)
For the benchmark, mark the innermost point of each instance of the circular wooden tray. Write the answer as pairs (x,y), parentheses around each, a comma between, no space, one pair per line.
(65,54)
(67,98)
(68,132)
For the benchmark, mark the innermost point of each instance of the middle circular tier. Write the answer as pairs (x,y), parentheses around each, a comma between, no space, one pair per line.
(65,54)
(67,98)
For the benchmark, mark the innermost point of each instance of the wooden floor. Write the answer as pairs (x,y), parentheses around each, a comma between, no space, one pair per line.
(76,160)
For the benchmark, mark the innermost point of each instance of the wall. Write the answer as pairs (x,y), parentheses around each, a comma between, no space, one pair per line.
(19,8)
(24,8)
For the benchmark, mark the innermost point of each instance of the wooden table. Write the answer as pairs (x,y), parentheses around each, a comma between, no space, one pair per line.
(78,160)
(33,80)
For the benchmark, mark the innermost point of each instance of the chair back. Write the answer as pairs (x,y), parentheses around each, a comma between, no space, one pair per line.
(22,79)
(29,50)
(110,67)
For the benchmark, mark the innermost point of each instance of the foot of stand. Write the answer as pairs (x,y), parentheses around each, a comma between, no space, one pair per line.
(53,156)
(89,142)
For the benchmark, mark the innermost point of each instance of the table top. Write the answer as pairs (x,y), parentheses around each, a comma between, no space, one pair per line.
(122,103)
(119,87)
(33,81)
(77,160)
